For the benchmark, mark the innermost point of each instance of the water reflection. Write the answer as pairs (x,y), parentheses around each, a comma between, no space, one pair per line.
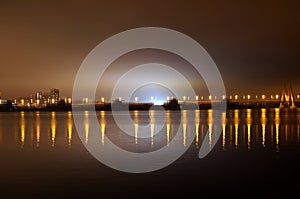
(267,129)
(224,120)
(263,124)
(103,125)
(168,124)
(38,129)
(53,128)
(136,126)
(70,129)
(210,125)
(236,121)
(86,126)
(249,122)
(197,121)
(184,126)
(22,127)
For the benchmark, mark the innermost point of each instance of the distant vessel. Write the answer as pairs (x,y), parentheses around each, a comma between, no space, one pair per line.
(287,98)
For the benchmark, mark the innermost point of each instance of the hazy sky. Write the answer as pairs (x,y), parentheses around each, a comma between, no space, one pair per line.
(255,44)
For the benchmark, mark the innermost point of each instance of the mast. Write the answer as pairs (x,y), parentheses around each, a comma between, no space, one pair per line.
(287,98)
(283,98)
(292,97)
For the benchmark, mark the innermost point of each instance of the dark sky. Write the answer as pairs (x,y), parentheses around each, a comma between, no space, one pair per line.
(255,44)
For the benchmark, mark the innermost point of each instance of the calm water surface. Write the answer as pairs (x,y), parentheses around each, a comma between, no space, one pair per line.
(257,153)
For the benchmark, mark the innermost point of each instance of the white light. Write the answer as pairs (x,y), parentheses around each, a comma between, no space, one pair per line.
(102,99)
(152,98)
(136,99)
(236,97)
(197,97)
(184,98)
(209,97)
(158,102)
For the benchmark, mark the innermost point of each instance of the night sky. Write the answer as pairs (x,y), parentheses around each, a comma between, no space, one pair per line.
(255,44)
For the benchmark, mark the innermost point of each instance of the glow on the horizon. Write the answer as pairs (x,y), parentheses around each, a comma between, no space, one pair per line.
(158,102)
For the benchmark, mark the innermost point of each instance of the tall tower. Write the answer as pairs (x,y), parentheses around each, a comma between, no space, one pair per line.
(54,95)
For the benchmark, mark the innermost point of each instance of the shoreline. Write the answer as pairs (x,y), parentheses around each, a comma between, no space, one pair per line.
(82,110)
(147,106)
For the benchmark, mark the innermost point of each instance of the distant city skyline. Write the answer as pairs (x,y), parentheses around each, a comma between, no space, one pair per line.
(254,44)
(54,95)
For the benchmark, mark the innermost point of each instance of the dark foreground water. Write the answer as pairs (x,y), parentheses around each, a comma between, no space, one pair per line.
(258,154)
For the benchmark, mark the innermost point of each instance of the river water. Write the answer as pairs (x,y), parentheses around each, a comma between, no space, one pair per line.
(257,153)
